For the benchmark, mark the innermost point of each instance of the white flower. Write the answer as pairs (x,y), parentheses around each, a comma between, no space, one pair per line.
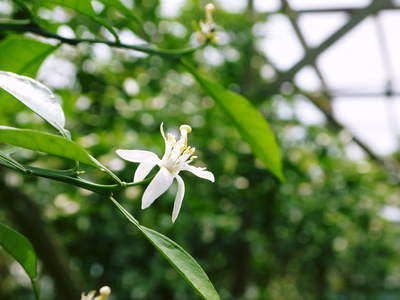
(177,157)
(105,291)
(208,27)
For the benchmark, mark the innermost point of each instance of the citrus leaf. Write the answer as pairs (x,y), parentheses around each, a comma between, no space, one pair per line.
(122,8)
(36,96)
(180,260)
(23,55)
(19,247)
(48,143)
(85,8)
(135,22)
(251,124)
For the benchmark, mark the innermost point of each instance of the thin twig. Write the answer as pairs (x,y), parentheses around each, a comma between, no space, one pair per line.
(29,26)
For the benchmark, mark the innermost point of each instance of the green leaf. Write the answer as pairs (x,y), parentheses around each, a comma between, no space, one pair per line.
(48,143)
(23,55)
(185,264)
(121,8)
(85,8)
(19,247)
(180,260)
(135,24)
(37,97)
(251,124)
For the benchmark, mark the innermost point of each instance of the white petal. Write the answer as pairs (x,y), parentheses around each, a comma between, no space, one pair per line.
(160,183)
(138,156)
(142,171)
(162,131)
(200,172)
(178,198)
(88,296)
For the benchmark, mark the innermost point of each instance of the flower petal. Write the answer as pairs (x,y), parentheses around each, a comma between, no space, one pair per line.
(160,183)
(138,156)
(200,172)
(179,197)
(142,171)
(88,296)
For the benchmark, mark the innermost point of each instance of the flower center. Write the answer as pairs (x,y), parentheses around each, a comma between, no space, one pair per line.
(177,153)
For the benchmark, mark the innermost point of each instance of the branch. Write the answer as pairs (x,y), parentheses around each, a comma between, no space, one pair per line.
(293,18)
(311,56)
(72,179)
(317,100)
(350,10)
(29,26)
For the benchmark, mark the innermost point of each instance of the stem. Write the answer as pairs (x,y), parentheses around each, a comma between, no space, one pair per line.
(35,288)
(113,176)
(29,26)
(125,213)
(104,189)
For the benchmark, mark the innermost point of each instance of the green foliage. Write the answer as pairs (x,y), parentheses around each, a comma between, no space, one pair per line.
(257,238)
(36,96)
(47,143)
(182,262)
(23,55)
(84,7)
(248,120)
(19,247)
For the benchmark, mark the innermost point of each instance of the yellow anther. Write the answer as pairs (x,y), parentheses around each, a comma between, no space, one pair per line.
(185,128)
(182,148)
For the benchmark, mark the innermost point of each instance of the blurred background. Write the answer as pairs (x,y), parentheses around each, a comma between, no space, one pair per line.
(325,74)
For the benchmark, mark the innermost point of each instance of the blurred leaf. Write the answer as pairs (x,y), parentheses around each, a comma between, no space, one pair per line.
(182,262)
(251,124)
(137,25)
(85,8)
(19,247)
(37,97)
(48,143)
(122,8)
(23,55)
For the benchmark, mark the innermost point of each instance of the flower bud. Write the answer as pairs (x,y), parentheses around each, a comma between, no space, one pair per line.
(105,291)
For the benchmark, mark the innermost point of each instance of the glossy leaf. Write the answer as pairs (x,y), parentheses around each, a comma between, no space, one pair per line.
(23,55)
(48,143)
(36,96)
(251,124)
(180,260)
(19,247)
